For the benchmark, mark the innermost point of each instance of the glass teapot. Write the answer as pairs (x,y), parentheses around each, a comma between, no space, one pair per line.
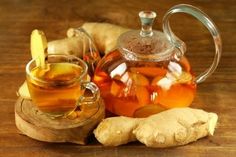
(148,72)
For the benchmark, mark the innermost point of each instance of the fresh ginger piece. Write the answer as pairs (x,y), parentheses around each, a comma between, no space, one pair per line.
(68,46)
(62,71)
(178,126)
(100,77)
(24,91)
(139,79)
(149,71)
(63,68)
(105,35)
(185,63)
(185,77)
(142,95)
(38,44)
(116,131)
(177,96)
(148,110)
(115,88)
(156,80)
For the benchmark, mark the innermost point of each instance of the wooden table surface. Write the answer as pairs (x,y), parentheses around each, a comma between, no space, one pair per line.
(217,94)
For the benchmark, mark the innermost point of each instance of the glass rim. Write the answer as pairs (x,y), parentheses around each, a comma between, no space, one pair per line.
(38,80)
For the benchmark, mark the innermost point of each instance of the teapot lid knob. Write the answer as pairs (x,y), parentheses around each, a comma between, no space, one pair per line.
(147,18)
(145,44)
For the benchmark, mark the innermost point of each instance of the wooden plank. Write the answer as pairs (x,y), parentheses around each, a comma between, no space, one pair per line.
(217,94)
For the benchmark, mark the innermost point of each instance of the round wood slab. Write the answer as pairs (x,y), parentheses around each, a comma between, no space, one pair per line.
(74,128)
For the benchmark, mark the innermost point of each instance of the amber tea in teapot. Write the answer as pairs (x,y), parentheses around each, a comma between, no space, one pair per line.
(148,72)
(145,84)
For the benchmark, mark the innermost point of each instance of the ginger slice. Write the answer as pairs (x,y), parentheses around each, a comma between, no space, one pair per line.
(149,71)
(177,96)
(156,80)
(115,89)
(185,63)
(184,78)
(62,71)
(38,45)
(139,79)
(142,95)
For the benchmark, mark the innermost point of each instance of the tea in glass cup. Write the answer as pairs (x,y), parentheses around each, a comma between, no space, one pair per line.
(59,88)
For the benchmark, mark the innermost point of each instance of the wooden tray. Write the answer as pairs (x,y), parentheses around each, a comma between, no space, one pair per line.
(75,128)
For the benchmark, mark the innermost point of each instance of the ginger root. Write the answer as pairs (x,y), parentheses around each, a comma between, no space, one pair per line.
(116,130)
(104,35)
(68,46)
(178,126)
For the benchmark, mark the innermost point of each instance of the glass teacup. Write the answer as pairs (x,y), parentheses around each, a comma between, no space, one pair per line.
(59,88)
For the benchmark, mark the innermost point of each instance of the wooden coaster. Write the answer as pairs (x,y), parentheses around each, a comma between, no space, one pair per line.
(74,128)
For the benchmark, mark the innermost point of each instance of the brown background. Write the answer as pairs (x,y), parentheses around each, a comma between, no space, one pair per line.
(19,17)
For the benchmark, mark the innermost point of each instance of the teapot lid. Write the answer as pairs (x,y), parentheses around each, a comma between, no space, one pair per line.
(145,44)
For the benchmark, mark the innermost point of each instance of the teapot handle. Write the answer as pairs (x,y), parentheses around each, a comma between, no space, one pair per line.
(197,13)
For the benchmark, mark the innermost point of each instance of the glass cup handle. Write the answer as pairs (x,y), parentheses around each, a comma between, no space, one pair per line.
(89,100)
(201,16)
(90,52)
